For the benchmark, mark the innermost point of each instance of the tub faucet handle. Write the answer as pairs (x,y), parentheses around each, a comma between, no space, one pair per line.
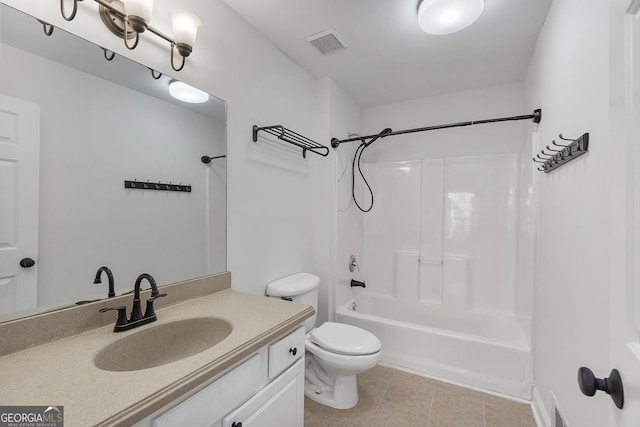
(353,264)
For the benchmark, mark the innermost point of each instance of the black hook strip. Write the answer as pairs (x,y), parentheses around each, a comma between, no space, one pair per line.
(159,186)
(569,152)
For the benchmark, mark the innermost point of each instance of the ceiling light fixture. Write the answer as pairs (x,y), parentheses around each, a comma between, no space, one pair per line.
(185,93)
(127,19)
(441,17)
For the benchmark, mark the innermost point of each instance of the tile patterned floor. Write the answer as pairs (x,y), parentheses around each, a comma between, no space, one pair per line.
(389,398)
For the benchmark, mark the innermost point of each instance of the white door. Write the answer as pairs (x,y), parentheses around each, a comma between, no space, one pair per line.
(625,254)
(19,179)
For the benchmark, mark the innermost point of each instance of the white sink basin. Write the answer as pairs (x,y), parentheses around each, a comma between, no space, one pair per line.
(163,343)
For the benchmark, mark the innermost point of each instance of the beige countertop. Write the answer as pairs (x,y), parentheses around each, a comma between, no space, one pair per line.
(62,372)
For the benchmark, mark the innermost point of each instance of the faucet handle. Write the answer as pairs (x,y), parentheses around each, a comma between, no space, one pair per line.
(122,314)
(149,312)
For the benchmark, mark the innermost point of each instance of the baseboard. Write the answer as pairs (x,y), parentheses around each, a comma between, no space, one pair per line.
(540,413)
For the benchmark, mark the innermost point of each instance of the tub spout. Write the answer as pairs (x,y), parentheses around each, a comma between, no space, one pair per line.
(355,283)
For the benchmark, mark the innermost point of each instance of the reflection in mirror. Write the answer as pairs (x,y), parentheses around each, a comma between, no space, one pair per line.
(73,128)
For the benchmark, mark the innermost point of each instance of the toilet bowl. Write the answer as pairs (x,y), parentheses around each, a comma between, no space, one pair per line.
(334,361)
(335,352)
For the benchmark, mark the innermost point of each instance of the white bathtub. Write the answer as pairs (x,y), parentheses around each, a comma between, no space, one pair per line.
(478,349)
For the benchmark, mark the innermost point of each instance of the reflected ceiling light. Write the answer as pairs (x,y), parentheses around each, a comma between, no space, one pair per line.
(441,17)
(129,18)
(185,93)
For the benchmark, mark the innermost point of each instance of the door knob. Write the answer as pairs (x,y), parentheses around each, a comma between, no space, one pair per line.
(612,385)
(27,263)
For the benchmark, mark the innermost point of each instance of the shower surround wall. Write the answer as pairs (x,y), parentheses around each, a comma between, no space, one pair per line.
(444,232)
(447,248)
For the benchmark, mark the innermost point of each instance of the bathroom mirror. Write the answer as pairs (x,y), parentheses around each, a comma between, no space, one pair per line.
(74,127)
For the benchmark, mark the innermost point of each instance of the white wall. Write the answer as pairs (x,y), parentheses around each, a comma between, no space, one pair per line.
(270,193)
(487,103)
(87,218)
(569,78)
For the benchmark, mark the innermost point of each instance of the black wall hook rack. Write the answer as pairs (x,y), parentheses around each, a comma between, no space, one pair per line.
(556,155)
(159,186)
(292,137)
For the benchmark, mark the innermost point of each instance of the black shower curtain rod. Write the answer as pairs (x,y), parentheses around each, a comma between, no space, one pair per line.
(536,116)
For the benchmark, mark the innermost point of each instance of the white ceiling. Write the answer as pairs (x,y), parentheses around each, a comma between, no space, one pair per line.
(389,59)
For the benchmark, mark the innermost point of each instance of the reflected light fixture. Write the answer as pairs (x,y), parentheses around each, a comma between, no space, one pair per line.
(127,19)
(185,93)
(439,17)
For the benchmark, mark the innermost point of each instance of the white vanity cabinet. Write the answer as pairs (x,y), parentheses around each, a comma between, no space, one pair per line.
(279,404)
(267,389)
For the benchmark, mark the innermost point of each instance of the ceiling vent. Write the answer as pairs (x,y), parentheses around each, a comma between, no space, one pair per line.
(327,41)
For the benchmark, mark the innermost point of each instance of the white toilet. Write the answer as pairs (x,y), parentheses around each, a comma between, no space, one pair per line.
(335,352)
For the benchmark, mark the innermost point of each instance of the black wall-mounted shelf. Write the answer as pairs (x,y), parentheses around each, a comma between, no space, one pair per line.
(561,154)
(292,137)
(159,186)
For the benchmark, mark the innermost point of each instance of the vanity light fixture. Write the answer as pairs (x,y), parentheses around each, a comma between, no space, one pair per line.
(185,93)
(129,18)
(439,17)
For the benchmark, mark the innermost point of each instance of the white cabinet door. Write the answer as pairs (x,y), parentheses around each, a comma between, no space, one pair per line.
(210,404)
(19,184)
(280,404)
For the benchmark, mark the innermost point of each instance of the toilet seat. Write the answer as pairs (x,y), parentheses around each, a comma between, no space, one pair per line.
(345,339)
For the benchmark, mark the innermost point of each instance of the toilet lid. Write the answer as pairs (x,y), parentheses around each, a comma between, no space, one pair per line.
(345,339)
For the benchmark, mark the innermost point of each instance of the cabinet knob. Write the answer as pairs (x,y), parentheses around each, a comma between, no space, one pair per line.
(293,351)
(612,385)
(236,424)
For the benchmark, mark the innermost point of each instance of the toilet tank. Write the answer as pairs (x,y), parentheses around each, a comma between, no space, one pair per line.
(300,287)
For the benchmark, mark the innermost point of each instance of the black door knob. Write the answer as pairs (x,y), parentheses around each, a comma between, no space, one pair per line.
(293,351)
(612,385)
(27,263)
(236,424)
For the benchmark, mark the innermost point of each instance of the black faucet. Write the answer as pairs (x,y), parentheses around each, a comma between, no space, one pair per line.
(136,312)
(98,280)
(137,318)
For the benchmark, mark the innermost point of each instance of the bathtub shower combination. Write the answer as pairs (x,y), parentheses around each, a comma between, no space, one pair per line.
(441,259)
